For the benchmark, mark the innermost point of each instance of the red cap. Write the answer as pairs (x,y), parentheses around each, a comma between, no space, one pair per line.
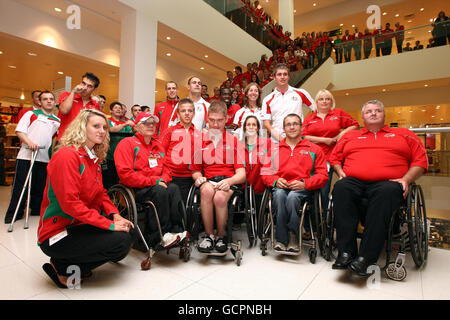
(144,116)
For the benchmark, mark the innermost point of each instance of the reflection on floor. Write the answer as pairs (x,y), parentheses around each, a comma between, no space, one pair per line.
(270,277)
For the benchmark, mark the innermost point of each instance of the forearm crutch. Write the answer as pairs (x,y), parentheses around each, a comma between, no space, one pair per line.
(27,182)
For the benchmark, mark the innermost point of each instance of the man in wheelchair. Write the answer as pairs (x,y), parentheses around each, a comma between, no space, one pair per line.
(297,168)
(218,168)
(378,163)
(141,165)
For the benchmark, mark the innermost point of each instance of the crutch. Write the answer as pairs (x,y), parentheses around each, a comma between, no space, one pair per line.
(27,181)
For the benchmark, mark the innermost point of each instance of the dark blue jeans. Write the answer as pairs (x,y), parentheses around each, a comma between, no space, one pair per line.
(286,203)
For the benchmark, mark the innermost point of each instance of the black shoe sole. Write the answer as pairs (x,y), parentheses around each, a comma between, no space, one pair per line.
(48,268)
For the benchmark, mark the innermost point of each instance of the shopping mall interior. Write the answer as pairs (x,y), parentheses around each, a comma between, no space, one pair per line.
(136,46)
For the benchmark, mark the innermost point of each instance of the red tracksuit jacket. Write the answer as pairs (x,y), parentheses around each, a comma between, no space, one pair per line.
(74,194)
(305,162)
(139,164)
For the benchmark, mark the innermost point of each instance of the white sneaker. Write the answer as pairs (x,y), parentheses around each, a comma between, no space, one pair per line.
(207,244)
(183,235)
(170,239)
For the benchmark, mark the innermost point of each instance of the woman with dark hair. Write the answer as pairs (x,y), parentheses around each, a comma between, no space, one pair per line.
(441,29)
(80,228)
(258,151)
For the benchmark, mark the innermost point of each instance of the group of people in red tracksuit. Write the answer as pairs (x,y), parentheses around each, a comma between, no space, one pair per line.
(376,160)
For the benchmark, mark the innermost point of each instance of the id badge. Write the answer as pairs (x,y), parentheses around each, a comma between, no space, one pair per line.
(152,162)
(57,237)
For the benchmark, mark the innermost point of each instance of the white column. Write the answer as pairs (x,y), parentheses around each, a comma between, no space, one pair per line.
(138,43)
(286,15)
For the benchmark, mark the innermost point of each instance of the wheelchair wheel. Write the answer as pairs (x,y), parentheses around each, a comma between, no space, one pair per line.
(193,213)
(330,238)
(264,220)
(319,221)
(417,225)
(396,273)
(123,199)
(250,215)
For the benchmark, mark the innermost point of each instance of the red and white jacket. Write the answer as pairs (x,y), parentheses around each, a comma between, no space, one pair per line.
(306,162)
(165,114)
(139,164)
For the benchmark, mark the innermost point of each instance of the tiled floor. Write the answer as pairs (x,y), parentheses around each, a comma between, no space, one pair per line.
(258,278)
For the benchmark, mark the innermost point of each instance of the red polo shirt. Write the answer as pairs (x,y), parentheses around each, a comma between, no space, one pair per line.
(387,154)
(334,121)
(163,111)
(221,160)
(305,162)
(77,106)
(179,146)
(255,158)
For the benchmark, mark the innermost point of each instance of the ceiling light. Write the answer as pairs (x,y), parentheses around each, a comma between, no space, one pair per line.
(1,52)
(442,118)
(202,68)
(168,54)
(314,4)
(346,93)
(409,21)
(206,56)
(156,91)
(60,72)
(384,90)
(426,85)
(353,25)
(22,96)
(32,54)
(423,110)
(410,110)
(432,116)
(438,107)
(384,13)
(397,15)
(399,112)
(58,10)
(341,24)
(168,38)
(12,67)
(421,9)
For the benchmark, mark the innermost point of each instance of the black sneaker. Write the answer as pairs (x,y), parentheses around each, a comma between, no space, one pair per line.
(220,245)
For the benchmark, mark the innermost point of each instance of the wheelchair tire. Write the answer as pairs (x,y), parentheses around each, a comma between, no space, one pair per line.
(417,225)
(263,220)
(396,274)
(250,215)
(330,238)
(123,199)
(312,253)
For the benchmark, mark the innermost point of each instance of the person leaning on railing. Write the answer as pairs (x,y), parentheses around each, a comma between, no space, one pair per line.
(441,29)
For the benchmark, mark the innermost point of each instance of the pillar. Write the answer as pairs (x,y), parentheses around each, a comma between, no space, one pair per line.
(286,15)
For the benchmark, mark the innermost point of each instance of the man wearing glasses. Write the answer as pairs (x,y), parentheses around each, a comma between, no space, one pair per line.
(297,168)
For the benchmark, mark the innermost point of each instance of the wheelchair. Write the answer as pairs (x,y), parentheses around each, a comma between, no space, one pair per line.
(124,199)
(241,202)
(316,222)
(408,231)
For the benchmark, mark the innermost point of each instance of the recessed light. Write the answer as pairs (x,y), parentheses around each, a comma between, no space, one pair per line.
(341,24)
(1,52)
(12,67)
(60,72)
(432,116)
(347,93)
(58,10)
(410,110)
(295,11)
(438,107)
(423,110)
(32,54)
(168,38)
(353,25)
(202,68)
(156,91)
(397,15)
(384,90)
(425,85)
(409,21)
(314,4)
(206,56)
(168,54)
(384,13)
(399,112)
(421,9)
(442,118)
(409,32)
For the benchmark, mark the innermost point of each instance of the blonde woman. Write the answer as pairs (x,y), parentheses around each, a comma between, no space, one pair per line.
(325,126)
(80,228)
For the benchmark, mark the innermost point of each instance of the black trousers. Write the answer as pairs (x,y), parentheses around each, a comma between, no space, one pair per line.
(185,184)
(88,247)
(384,198)
(167,203)
(38,180)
